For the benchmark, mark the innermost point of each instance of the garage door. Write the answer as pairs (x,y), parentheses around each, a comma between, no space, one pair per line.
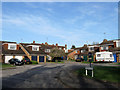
(34,58)
(41,58)
(7,58)
(19,57)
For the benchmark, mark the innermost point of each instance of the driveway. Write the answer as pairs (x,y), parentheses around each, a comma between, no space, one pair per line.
(49,76)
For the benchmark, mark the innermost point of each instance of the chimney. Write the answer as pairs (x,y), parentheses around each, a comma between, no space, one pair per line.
(65,46)
(33,41)
(56,44)
(46,43)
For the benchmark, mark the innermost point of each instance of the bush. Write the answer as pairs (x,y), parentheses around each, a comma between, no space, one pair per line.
(34,62)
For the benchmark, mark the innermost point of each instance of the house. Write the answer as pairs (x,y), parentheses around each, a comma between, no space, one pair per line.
(71,53)
(33,51)
(39,52)
(82,52)
(47,49)
(106,45)
(10,50)
(111,46)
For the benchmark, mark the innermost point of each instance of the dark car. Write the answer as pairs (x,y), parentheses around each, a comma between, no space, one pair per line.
(15,61)
(79,59)
(26,61)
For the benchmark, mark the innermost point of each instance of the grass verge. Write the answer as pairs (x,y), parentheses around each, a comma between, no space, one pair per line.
(7,65)
(104,73)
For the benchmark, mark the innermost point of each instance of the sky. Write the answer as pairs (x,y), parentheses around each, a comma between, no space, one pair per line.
(71,23)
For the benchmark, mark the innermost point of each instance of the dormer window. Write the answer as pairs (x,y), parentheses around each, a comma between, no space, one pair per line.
(35,48)
(91,48)
(82,51)
(47,50)
(12,46)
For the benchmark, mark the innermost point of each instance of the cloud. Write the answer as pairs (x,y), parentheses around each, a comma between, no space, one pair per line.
(44,26)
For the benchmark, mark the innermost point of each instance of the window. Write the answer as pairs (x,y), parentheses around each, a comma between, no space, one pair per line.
(110,55)
(47,50)
(75,51)
(98,55)
(35,48)
(12,47)
(104,48)
(101,48)
(91,48)
(82,51)
(60,48)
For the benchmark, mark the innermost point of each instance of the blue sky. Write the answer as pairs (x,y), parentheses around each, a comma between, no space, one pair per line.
(71,23)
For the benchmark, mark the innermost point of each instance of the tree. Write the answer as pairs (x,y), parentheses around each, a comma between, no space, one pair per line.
(55,52)
(73,47)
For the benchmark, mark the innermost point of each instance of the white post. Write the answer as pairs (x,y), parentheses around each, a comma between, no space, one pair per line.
(92,73)
(86,72)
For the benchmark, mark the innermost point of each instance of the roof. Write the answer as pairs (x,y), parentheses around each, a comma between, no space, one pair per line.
(12,52)
(106,42)
(7,42)
(34,52)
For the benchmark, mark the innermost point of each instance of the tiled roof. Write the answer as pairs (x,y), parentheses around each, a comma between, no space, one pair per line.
(107,42)
(6,42)
(34,52)
(7,51)
(4,51)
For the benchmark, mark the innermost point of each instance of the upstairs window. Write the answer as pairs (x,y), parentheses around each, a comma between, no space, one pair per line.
(47,50)
(104,48)
(12,46)
(82,51)
(91,48)
(35,48)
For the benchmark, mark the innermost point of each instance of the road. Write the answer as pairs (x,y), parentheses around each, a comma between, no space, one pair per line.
(49,76)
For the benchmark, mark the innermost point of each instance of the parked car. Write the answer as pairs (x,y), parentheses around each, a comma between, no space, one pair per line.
(26,61)
(79,59)
(15,61)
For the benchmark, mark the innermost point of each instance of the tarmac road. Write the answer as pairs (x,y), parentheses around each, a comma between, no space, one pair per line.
(49,76)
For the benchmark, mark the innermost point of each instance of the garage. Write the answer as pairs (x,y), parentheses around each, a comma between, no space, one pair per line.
(19,57)
(34,58)
(41,58)
(7,58)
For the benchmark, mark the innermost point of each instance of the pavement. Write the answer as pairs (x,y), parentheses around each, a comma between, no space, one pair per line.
(49,75)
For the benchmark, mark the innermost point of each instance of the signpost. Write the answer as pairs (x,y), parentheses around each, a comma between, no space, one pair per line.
(90,60)
(90,57)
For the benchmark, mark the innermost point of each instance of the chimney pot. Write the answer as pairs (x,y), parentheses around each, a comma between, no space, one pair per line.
(33,41)
(46,43)
(65,46)
(56,44)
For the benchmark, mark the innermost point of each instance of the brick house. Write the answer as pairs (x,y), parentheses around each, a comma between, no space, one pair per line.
(47,48)
(82,52)
(106,45)
(10,50)
(39,52)
(33,51)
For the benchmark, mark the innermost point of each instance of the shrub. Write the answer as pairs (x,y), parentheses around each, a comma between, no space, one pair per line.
(34,62)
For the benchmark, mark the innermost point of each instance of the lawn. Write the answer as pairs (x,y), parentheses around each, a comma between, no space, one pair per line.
(7,65)
(104,73)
